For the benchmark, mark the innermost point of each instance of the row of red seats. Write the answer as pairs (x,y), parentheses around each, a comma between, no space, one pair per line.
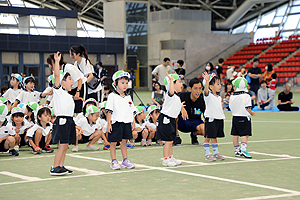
(235,61)
(261,43)
(287,69)
(294,36)
(274,55)
(269,60)
(254,48)
(281,50)
(293,59)
(289,74)
(279,46)
(290,41)
(297,54)
(271,38)
(262,65)
(240,57)
(290,64)
(247,52)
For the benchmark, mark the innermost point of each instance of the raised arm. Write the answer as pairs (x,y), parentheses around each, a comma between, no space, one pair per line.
(206,88)
(57,57)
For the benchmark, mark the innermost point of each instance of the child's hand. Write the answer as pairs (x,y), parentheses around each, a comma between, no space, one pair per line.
(57,56)
(206,76)
(17,130)
(170,77)
(109,128)
(37,148)
(253,113)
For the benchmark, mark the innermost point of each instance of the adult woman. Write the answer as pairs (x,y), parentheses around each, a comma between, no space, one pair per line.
(209,68)
(228,90)
(268,73)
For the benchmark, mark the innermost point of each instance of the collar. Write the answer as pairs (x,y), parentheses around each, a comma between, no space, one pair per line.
(115,91)
(89,122)
(240,92)
(213,94)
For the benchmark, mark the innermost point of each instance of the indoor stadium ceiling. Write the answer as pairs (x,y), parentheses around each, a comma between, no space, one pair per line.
(91,11)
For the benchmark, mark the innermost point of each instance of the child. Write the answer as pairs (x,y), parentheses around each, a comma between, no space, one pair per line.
(140,127)
(91,128)
(103,123)
(3,90)
(64,130)
(158,95)
(15,89)
(107,91)
(151,122)
(7,141)
(273,84)
(265,97)
(27,95)
(214,116)
(40,134)
(240,105)
(166,129)
(86,104)
(48,91)
(120,110)
(6,102)
(226,102)
(30,112)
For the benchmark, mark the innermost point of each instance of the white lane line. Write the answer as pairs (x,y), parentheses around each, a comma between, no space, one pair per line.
(239,158)
(25,158)
(89,158)
(292,122)
(275,155)
(271,196)
(26,178)
(258,141)
(85,170)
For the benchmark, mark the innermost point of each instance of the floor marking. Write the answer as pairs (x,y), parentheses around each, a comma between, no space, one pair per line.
(258,141)
(292,122)
(26,178)
(238,158)
(275,155)
(271,196)
(24,158)
(85,170)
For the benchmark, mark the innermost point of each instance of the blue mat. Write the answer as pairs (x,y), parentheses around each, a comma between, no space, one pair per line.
(274,110)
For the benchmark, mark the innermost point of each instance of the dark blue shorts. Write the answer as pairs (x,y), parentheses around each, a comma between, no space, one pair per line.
(189,125)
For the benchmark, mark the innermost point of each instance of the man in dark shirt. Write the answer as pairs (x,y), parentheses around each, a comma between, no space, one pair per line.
(102,74)
(219,69)
(190,118)
(285,100)
(255,74)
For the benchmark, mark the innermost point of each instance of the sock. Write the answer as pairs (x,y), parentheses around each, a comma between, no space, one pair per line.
(89,144)
(165,158)
(244,146)
(10,149)
(215,147)
(236,148)
(113,160)
(124,159)
(144,140)
(206,148)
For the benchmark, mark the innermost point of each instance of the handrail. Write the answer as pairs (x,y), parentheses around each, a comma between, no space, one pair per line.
(217,55)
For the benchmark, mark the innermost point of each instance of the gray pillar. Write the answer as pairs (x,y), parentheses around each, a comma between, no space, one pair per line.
(66,26)
(24,24)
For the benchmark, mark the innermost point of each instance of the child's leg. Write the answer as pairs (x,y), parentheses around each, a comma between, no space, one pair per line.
(235,141)
(145,134)
(104,138)
(244,142)
(166,149)
(60,155)
(171,150)
(113,150)
(214,144)
(123,148)
(95,137)
(206,145)
(151,133)
(37,137)
(17,139)
(9,142)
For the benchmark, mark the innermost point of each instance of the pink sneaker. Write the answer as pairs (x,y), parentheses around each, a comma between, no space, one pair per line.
(127,164)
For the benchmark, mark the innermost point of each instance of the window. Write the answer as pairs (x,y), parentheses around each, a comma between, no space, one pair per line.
(291,22)
(239,29)
(281,10)
(267,18)
(265,32)
(277,20)
(295,9)
(250,26)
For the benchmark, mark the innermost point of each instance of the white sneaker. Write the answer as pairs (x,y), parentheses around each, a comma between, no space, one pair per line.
(75,148)
(178,162)
(92,147)
(16,147)
(169,163)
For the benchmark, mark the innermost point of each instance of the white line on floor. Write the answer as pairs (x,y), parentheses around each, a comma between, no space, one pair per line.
(271,196)
(258,141)
(238,158)
(85,170)
(275,155)
(26,178)
(292,122)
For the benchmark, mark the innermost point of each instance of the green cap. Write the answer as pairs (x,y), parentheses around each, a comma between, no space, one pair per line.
(103,104)
(17,110)
(91,109)
(3,112)
(33,105)
(140,109)
(61,76)
(119,74)
(240,84)
(167,80)
(152,108)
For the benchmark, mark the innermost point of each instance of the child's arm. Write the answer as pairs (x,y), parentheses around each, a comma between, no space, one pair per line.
(57,57)
(171,88)
(36,148)
(108,117)
(251,112)
(206,77)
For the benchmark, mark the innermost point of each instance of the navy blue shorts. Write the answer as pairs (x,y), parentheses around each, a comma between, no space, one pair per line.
(120,131)
(166,129)
(214,129)
(64,130)
(189,125)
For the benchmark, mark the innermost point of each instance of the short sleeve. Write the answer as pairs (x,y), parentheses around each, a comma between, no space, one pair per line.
(75,73)
(248,102)
(152,95)
(110,103)
(155,71)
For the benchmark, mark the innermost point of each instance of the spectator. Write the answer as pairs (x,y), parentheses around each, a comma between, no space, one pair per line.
(252,95)
(273,84)
(229,73)
(226,102)
(285,100)
(3,90)
(161,70)
(102,74)
(107,91)
(209,68)
(158,96)
(184,87)
(255,74)
(180,71)
(228,90)
(268,73)
(265,97)
(242,73)
(219,69)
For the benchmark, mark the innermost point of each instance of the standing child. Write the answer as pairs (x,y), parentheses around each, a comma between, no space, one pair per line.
(120,111)
(166,129)
(273,84)
(240,105)
(214,116)
(64,131)
(15,89)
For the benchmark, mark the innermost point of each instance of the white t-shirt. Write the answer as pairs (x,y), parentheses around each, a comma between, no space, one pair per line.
(63,103)
(87,128)
(75,73)
(172,105)
(161,71)
(103,123)
(12,94)
(46,131)
(238,103)
(213,106)
(150,124)
(85,67)
(142,125)
(49,97)
(25,96)
(122,108)
(6,129)
(25,125)
(78,117)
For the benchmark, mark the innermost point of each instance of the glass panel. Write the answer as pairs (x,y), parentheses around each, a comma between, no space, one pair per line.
(78,24)
(136,13)
(46,31)
(8,19)
(296,2)
(6,70)
(40,21)
(10,58)
(29,5)
(286,34)
(93,58)
(107,59)
(277,20)
(33,70)
(143,76)
(291,22)
(265,32)
(33,31)
(267,18)
(136,34)
(295,9)
(17,3)
(6,76)
(9,30)
(53,20)
(31,58)
(67,58)
(82,34)
(14,69)
(239,29)
(141,52)
(281,10)
(90,27)
(95,34)
(250,26)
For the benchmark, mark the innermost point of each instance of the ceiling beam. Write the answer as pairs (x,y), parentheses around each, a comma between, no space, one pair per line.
(157,3)
(63,5)
(84,11)
(86,5)
(207,6)
(182,4)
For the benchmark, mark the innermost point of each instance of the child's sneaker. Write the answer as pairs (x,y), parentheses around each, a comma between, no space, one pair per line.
(168,163)
(245,154)
(159,142)
(69,171)
(127,164)
(92,148)
(129,146)
(106,147)
(115,165)
(237,153)
(13,152)
(210,157)
(149,142)
(36,152)
(47,149)
(218,156)
(178,162)
(143,143)
(58,171)
(75,148)
(100,141)
(16,147)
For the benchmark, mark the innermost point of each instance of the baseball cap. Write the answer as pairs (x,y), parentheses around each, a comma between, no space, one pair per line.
(17,76)
(139,110)
(17,110)
(61,76)
(3,112)
(167,80)
(240,84)
(152,108)
(33,105)
(4,100)
(119,74)
(91,109)
(103,104)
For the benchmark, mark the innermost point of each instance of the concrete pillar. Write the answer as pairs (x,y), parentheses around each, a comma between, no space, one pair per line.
(66,26)
(24,24)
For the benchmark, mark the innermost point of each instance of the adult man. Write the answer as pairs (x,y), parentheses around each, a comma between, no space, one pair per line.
(285,100)
(219,70)
(102,74)
(255,74)
(160,72)
(190,118)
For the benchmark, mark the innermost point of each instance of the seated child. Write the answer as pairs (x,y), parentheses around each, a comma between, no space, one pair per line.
(103,123)
(226,102)
(86,104)
(7,140)
(141,132)
(151,122)
(40,134)
(30,111)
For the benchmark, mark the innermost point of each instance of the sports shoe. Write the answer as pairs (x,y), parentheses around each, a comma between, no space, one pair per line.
(178,162)
(245,154)
(115,165)
(127,164)
(13,152)
(47,149)
(58,171)
(92,148)
(143,143)
(149,142)
(106,147)
(75,148)
(238,153)
(100,141)
(69,171)
(36,152)
(210,157)
(129,146)
(168,163)
(16,147)
(218,156)
(194,139)
(160,143)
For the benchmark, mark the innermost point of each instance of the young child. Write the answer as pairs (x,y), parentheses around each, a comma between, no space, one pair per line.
(214,116)
(119,115)
(226,102)
(48,91)
(140,127)
(86,104)
(64,130)
(166,129)
(30,112)
(6,102)
(15,89)
(240,105)
(103,122)
(7,133)
(151,122)
(40,134)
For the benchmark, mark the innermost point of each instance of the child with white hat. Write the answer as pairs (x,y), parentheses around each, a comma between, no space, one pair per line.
(15,89)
